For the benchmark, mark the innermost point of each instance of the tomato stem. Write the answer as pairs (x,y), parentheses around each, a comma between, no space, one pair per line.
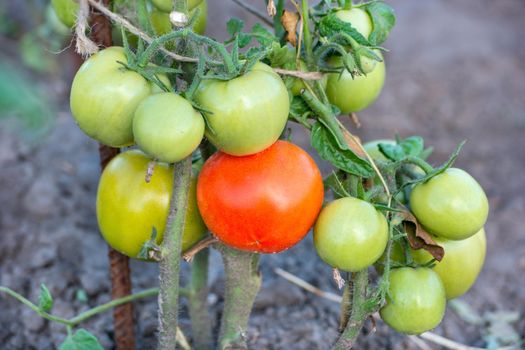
(200,318)
(243,281)
(169,266)
(358,314)
(307,37)
(427,168)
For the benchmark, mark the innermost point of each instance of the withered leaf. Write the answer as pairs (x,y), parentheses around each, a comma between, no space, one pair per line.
(351,141)
(289,21)
(418,238)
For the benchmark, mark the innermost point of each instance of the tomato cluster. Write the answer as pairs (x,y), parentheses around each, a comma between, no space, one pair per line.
(350,234)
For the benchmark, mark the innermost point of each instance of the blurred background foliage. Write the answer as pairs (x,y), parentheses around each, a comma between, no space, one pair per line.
(32,40)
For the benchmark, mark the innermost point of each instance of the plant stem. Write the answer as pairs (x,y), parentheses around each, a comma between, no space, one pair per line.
(169,266)
(144,19)
(346,304)
(86,314)
(427,168)
(358,315)
(277,25)
(243,281)
(307,37)
(200,318)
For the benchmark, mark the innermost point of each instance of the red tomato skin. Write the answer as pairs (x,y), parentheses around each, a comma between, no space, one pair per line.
(265,202)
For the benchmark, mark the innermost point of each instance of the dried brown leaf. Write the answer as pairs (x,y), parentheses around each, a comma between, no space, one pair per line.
(289,21)
(418,238)
(351,141)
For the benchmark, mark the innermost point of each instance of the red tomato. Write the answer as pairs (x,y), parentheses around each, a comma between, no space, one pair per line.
(265,202)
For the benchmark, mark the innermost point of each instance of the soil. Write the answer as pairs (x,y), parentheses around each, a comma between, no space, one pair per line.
(456,70)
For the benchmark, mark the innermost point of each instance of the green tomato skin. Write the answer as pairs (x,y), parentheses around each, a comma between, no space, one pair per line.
(350,234)
(461,264)
(128,207)
(104,97)
(450,205)
(66,11)
(167,128)
(416,300)
(167,5)
(298,84)
(161,20)
(248,113)
(359,19)
(354,94)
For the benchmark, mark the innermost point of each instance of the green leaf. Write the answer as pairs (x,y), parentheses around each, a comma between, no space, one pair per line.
(45,300)
(337,187)
(411,146)
(262,35)
(331,25)
(81,340)
(279,55)
(244,39)
(325,144)
(234,26)
(383,20)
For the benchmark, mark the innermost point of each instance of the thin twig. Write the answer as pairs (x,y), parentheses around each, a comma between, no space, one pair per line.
(429,336)
(307,286)
(251,9)
(202,244)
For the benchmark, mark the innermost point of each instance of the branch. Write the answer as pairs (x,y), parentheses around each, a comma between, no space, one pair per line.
(189,254)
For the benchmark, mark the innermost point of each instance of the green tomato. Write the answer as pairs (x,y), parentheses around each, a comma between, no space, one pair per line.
(451,205)
(359,19)
(248,113)
(66,11)
(354,94)
(104,96)
(461,264)
(416,300)
(54,23)
(350,234)
(167,128)
(167,5)
(199,26)
(161,20)
(128,207)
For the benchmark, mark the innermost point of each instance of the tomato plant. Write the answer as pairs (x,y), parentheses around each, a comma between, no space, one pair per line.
(416,300)
(350,234)
(226,110)
(450,205)
(129,208)
(264,203)
(246,114)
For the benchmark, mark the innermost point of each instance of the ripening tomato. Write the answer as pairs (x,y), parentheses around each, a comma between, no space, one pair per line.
(104,96)
(66,11)
(354,94)
(451,205)
(128,207)
(161,20)
(359,19)
(264,202)
(350,234)
(461,264)
(167,5)
(247,113)
(416,300)
(167,127)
